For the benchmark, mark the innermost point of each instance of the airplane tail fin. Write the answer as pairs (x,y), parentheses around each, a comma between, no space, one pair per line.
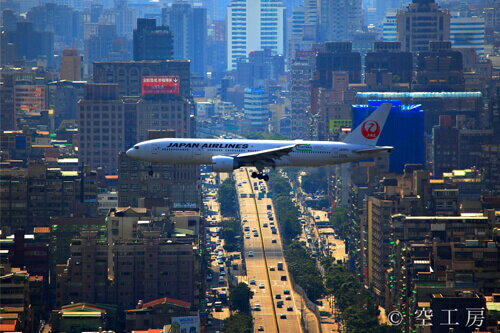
(368,132)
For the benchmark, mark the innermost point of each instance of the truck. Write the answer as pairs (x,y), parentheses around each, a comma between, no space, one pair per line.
(280,266)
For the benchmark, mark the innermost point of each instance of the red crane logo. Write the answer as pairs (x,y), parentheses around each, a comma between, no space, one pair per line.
(370,129)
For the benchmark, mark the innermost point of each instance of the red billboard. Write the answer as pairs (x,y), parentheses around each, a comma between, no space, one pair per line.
(161,85)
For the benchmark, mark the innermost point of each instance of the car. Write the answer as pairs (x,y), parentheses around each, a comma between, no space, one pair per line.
(254,229)
(256,307)
(283,316)
(272,268)
(273,240)
(222,273)
(261,286)
(278,296)
(265,225)
(279,304)
(247,228)
(250,253)
(239,184)
(260,328)
(283,278)
(289,308)
(286,292)
(247,235)
(288,298)
(221,261)
(252,282)
(271,218)
(256,234)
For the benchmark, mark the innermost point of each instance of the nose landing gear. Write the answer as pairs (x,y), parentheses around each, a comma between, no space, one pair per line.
(260,176)
(151,172)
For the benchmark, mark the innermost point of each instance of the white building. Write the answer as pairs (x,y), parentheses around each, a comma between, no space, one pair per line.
(254,25)
(390,27)
(468,32)
(256,110)
(106,201)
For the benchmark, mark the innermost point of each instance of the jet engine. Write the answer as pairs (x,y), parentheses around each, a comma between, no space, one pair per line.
(224,163)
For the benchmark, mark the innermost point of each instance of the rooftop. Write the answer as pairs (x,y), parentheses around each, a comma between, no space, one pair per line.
(396,95)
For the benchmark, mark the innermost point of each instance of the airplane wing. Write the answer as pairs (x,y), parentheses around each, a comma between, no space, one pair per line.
(265,157)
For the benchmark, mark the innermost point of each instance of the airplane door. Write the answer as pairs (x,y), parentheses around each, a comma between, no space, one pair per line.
(197,153)
(155,149)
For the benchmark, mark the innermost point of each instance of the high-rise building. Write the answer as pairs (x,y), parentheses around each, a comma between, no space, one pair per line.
(390,27)
(152,42)
(71,65)
(439,69)
(444,147)
(468,32)
(301,71)
(256,109)
(302,30)
(337,56)
(189,28)
(103,44)
(64,22)
(261,68)
(421,23)
(63,98)
(254,25)
(101,126)
(387,58)
(128,74)
(339,19)
(31,44)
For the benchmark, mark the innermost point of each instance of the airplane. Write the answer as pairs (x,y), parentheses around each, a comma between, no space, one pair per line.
(226,155)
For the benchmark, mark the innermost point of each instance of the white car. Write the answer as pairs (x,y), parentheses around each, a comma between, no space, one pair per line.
(261,286)
(250,253)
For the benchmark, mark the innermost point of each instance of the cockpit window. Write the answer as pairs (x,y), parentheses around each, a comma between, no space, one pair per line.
(136,147)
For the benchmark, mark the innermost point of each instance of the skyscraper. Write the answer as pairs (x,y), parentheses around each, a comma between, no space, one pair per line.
(256,109)
(468,32)
(254,25)
(189,29)
(101,119)
(152,42)
(421,23)
(339,19)
(71,65)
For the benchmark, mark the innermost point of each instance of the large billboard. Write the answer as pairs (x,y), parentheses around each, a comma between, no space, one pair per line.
(186,324)
(161,85)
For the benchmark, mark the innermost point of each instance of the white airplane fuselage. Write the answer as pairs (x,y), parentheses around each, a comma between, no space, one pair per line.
(202,151)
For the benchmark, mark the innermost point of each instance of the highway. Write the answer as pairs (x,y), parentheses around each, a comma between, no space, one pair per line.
(262,267)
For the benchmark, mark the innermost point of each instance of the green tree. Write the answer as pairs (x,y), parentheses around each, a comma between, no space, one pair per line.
(231,234)
(239,298)
(314,181)
(340,221)
(227,197)
(238,323)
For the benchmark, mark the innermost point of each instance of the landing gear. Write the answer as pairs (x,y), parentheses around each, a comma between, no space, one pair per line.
(151,172)
(260,176)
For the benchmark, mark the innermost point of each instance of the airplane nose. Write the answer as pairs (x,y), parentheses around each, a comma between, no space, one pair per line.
(132,152)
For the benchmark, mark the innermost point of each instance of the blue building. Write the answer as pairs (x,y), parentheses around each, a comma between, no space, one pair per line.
(404,130)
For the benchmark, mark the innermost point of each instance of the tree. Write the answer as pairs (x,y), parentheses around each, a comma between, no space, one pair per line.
(315,181)
(227,197)
(238,323)
(231,234)
(239,298)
